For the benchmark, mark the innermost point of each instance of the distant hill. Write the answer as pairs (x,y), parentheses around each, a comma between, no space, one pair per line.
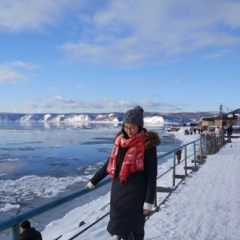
(237,111)
(149,117)
(194,116)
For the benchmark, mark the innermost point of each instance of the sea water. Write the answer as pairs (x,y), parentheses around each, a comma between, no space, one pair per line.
(37,159)
(59,149)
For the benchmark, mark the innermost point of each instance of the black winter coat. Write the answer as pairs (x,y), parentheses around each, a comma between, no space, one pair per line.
(127,198)
(229,130)
(31,234)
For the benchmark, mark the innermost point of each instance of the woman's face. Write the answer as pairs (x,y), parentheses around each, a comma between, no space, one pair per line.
(130,129)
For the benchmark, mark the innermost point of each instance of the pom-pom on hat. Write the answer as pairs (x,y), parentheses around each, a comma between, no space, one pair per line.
(26,224)
(134,116)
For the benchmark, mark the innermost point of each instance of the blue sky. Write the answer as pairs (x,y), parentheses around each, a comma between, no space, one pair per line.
(102,56)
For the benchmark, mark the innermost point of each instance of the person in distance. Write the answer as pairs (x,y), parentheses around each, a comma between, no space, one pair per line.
(29,233)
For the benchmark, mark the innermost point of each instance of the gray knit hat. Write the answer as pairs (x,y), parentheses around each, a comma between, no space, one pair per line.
(134,116)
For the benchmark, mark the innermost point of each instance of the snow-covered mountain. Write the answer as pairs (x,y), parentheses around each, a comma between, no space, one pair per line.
(99,117)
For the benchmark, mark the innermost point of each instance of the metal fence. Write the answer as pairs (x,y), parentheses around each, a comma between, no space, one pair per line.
(192,154)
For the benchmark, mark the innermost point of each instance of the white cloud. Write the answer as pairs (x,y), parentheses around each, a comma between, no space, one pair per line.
(10,75)
(37,105)
(125,32)
(15,72)
(53,89)
(66,104)
(23,65)
(18,15)
(221,54)
(80,87)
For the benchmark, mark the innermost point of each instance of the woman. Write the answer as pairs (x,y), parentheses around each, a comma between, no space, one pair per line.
(133,167)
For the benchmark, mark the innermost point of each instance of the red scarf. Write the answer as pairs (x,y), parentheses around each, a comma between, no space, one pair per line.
(134,158)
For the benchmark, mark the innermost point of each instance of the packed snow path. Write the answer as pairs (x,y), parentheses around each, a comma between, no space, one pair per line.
(206,205)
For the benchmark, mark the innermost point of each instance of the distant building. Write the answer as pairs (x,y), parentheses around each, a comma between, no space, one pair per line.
(236,113)
(220,120)
(206,121)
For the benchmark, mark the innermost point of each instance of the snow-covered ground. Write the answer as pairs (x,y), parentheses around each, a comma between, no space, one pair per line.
(204,206)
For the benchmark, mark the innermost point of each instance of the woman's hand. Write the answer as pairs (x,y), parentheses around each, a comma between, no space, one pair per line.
(146,211)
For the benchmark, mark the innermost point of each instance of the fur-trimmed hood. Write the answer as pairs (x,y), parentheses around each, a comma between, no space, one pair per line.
(152,141)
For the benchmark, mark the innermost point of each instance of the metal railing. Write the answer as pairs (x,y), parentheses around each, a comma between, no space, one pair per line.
(200,148)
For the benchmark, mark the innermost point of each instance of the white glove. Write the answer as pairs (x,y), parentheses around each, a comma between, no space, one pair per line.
(148,206)
(90,185)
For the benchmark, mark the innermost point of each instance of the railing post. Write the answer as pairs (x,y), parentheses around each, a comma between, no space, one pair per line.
(174,168)
(215,145)
(155,199)
(14,232)
(207,145)
(201,151)
(185,159)
(194,149)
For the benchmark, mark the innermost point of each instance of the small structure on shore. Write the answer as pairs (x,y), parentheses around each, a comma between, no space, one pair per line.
(223,120)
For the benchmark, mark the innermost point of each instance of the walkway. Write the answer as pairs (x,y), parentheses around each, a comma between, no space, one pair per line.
(206,205)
